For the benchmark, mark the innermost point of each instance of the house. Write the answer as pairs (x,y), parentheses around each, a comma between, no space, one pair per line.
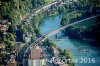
(2,47)
(12,61)
(54,51)
(36,57)
(27,37)
(36,62)
(3,27)
(36,53)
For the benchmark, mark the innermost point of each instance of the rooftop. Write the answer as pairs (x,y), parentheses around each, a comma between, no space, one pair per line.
(35,53)
(12,61)
(54,49)
(2,45)
(3,27)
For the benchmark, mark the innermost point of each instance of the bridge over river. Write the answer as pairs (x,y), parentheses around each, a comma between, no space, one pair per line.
(42,38)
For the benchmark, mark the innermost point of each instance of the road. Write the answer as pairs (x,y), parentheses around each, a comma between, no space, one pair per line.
(52,33)
(37,10)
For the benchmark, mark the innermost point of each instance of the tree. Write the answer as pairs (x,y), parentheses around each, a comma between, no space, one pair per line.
(33,38)
(11,37)
(12,43)
(53,44)
(60,50)
(12,28)
(15,17)
(61,9)
(24,30)
(36,3)
(70,17)
(4,9)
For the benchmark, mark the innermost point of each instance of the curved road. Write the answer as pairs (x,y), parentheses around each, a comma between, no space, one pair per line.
(37,10)
(52,33)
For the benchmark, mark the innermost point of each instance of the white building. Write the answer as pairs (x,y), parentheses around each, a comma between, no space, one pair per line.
(37,62)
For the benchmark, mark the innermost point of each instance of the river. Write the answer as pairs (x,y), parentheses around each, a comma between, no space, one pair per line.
(83,52)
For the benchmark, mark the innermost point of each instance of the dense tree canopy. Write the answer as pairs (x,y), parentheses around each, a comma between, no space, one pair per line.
(70,17)
(85,3)
(14,9)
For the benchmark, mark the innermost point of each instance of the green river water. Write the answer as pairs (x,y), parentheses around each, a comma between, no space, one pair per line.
(77,48)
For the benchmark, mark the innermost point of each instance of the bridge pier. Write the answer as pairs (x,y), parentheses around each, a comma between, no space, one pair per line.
(56,36)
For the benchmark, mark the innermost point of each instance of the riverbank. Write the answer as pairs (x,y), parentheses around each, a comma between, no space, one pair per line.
(58,56)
